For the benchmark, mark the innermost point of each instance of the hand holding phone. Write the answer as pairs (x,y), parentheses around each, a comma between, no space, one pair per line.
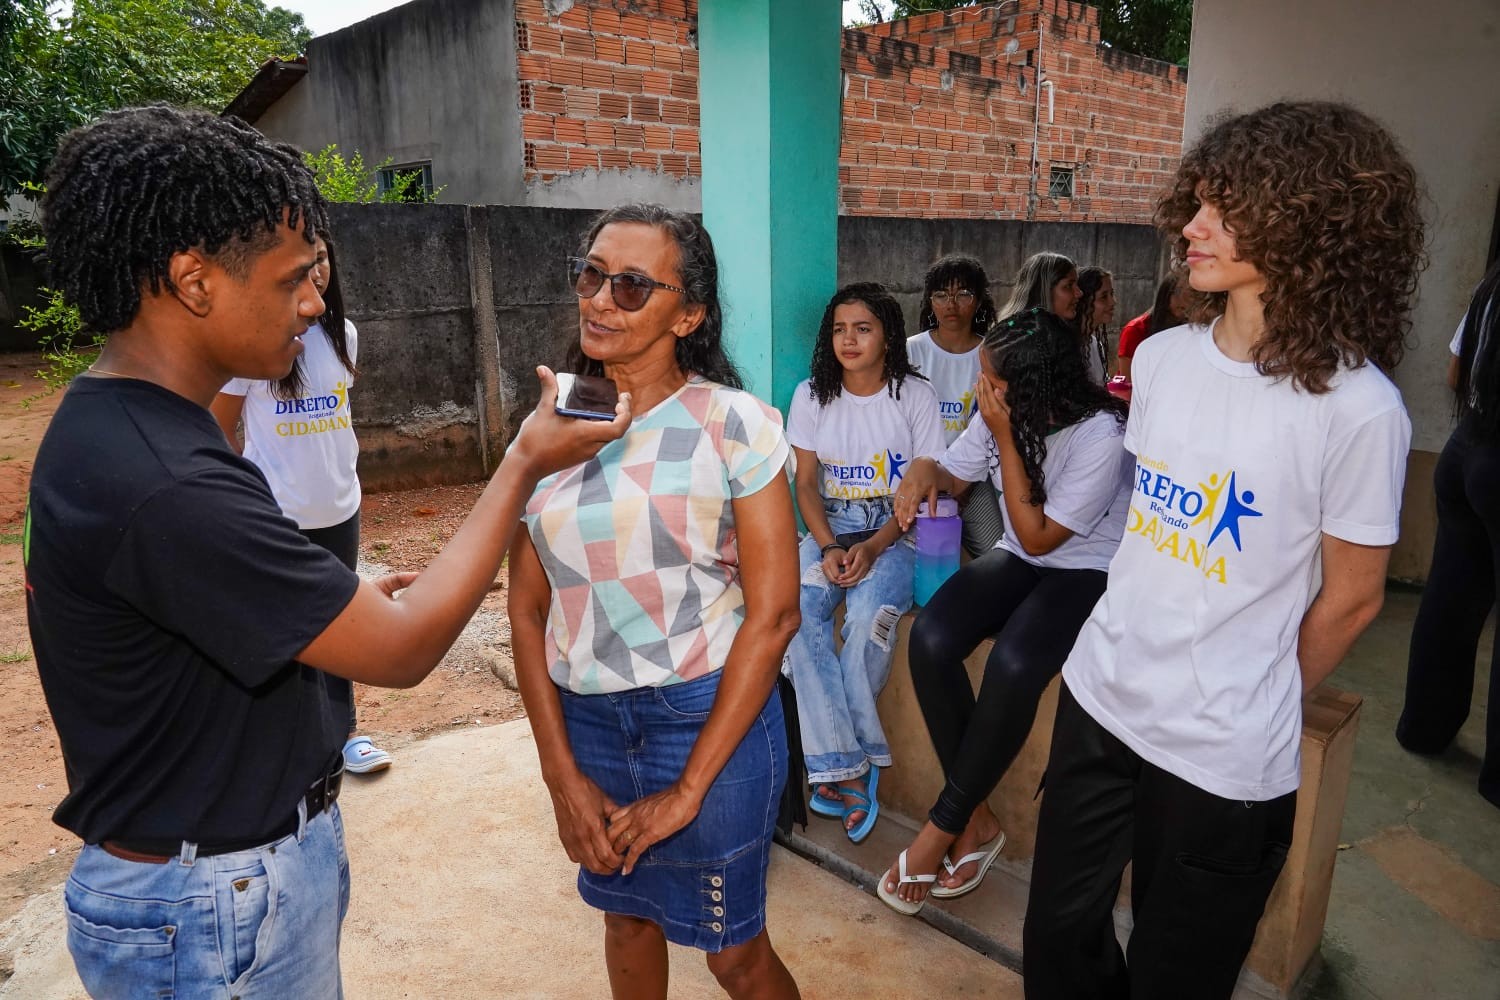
(587,397)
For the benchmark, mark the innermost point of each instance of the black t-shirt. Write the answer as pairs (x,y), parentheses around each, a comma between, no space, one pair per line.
(167,595)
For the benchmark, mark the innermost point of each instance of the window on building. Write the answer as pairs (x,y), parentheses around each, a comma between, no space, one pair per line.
(413,180)
(1061,184)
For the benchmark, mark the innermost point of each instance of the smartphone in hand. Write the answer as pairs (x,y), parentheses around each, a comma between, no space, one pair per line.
(588,397)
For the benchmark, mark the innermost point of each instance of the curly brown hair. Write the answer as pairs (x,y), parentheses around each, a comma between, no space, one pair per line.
(1322,201)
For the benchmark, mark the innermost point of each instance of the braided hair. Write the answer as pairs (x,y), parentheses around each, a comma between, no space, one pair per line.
(1093,338)
(827,379)
(967,273)
(138,186)
(1047,386)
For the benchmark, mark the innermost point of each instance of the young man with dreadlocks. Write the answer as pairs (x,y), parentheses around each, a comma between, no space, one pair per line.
(1270,447)
(182,625)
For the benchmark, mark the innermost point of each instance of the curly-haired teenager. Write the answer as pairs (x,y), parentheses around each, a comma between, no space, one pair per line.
(1096,310)
(855,426)
(182,625)
(956,313)
(1050,439)
(1460,589)
(1270,447)
(306,447)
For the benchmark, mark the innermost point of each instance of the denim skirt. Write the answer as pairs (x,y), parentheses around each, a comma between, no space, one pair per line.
(705,885)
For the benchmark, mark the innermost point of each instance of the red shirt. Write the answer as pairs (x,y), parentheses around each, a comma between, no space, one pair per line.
(1132,335)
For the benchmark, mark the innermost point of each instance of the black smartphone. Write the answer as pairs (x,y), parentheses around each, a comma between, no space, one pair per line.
(588,397)
(849,539)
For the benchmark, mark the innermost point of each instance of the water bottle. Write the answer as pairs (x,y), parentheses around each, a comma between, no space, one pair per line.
(939,536)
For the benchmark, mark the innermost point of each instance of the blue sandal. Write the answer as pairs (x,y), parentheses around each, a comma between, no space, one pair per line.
(864,802)
(821,805)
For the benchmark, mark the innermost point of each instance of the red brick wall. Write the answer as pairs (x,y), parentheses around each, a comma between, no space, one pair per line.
(938,120)
(608,86)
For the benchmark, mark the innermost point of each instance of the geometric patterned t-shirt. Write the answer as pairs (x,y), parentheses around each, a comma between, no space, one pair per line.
(639,543)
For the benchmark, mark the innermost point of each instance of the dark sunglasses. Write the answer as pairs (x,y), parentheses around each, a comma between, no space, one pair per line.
(630,291)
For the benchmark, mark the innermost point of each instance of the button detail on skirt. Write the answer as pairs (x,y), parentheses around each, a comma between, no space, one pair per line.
(718,928)
(716,895)
(718,911)
(716,881)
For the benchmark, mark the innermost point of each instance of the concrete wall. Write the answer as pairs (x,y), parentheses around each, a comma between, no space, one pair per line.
(1430,73)
(433,81)
(456,306)
(896,252)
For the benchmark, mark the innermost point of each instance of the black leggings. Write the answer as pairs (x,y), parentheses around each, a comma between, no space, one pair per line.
(342,540)
(1034,615)
(1458,597)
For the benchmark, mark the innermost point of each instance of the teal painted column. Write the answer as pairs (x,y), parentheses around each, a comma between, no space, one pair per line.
(768,93)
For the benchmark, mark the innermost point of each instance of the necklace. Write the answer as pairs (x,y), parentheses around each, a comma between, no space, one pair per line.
(104,371)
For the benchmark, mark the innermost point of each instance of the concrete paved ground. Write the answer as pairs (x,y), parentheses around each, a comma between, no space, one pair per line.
(462,890)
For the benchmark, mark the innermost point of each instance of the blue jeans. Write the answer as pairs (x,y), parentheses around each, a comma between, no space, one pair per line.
(261,924)
(836,690)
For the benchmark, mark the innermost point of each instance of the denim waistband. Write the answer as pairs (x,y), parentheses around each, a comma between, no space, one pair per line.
(884,505)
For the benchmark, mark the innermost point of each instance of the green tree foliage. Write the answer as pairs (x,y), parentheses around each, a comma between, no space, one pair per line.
(1160,29)
(56,74)
(350,180)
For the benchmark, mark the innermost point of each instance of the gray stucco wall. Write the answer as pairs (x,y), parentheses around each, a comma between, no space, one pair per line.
(457,305)
(431,81)
(436,81)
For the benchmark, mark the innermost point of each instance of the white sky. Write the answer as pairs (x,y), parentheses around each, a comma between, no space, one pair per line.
(323,16)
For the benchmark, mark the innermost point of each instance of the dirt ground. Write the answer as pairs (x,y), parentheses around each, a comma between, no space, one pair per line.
(400,531)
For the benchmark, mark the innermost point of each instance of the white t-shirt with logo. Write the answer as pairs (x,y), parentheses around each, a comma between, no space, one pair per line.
(1190,658)
(306,446)
(952,377)
(865,443)
(1086,474)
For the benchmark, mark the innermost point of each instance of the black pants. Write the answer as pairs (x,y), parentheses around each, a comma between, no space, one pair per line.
(1034,615)
(342,540)
(1459,595)
(1203,868)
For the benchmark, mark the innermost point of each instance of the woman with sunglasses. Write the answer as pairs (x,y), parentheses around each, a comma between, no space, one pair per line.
(307,450)
(652,598)
(956,312)
(855,426)
(1051,439)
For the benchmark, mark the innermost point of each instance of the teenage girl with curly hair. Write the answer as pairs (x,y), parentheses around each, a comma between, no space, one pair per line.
(1270,448)
(1460,589)
(1049,439)
(1096,310)
(855,427)
(956,312)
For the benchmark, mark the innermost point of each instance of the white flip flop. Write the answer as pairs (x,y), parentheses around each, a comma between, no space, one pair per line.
(985,856)
(894,901)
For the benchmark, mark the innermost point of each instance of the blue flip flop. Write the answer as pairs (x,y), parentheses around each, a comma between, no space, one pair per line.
(823,806)
(864,801)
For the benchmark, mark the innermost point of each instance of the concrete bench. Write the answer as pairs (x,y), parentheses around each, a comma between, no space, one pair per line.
(1292,927)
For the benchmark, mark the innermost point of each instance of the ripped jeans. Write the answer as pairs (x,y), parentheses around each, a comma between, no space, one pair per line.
(836,690)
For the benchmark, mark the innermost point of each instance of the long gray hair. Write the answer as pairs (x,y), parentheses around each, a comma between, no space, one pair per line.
(1034,282)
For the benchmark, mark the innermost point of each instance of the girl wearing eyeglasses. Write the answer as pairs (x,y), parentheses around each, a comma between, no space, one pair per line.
(1051,439)
(652,598)
(956,312)
(855,425)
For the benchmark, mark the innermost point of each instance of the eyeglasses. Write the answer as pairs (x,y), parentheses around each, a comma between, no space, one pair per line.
(630,291)
(963,298)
